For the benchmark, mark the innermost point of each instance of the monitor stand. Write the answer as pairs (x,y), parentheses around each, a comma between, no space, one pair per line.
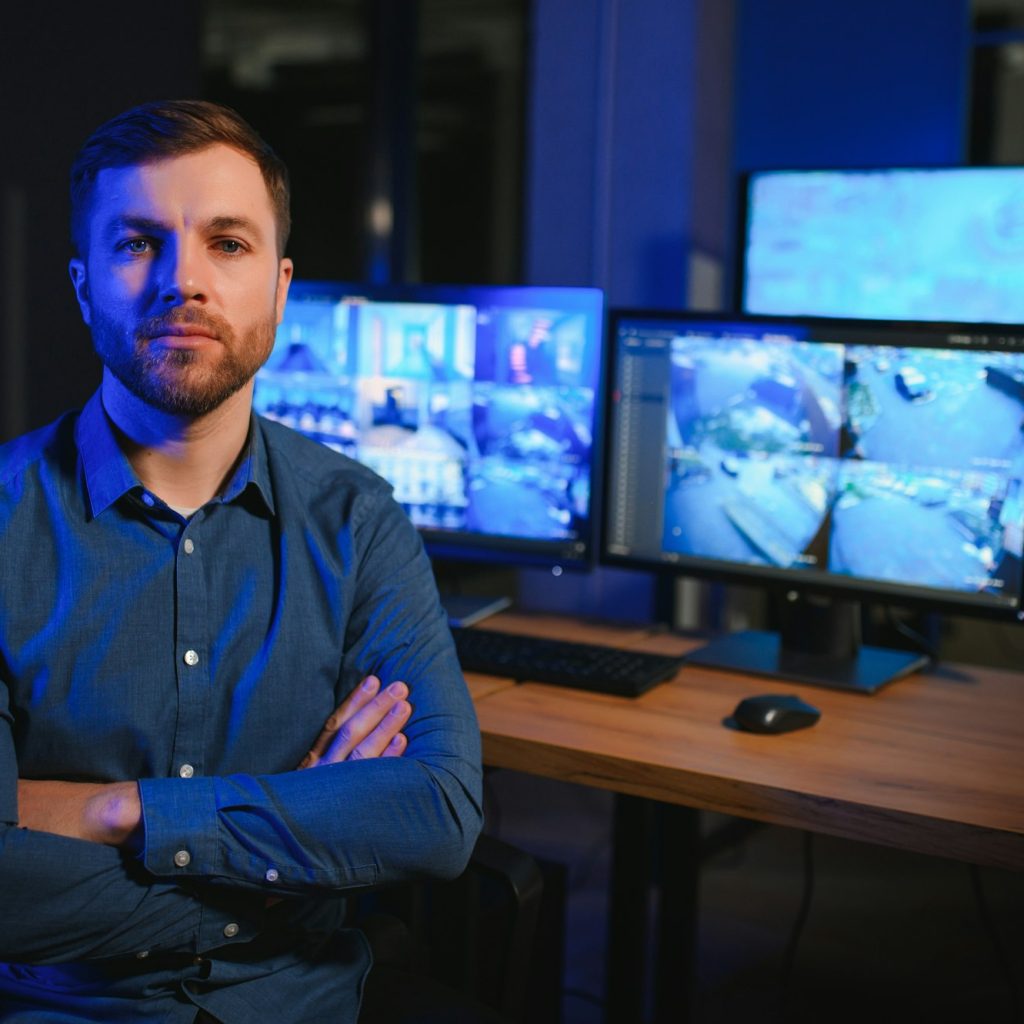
(471,592)
(468,609)
(818,643)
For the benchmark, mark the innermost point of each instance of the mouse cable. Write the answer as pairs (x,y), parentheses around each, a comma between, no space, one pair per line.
(1002,959)
(789,956)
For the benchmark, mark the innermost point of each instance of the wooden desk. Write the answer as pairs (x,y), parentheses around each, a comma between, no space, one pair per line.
(933,763)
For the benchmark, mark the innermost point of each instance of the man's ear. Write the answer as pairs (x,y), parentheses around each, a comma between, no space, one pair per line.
(284,279)
(76,268)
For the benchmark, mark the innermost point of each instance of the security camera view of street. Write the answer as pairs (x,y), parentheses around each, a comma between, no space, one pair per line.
(960,531)
(753,432)
(480,418)
(877,462)
(930,491)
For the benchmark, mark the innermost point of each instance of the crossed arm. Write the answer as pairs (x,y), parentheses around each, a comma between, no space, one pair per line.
(167,862)
(367,724)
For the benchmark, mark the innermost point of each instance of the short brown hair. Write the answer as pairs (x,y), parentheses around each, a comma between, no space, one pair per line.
(168,128)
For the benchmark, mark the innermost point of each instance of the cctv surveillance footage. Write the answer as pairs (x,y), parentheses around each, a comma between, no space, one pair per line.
(886,243)
(477,405)
(822,452)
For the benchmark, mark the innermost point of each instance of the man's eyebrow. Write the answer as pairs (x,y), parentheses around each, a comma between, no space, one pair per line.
(235,223)
(148,225)
(131,222)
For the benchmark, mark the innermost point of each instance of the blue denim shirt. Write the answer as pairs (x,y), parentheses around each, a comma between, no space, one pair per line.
(202,656)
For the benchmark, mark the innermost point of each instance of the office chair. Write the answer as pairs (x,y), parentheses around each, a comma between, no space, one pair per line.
(456,950)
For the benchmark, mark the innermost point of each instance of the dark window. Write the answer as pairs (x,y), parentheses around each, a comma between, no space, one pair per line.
(997,87)
(401,123)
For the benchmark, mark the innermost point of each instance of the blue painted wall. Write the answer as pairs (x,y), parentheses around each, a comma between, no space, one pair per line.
(822,83)
(628,171)
(564,93)
(628,128)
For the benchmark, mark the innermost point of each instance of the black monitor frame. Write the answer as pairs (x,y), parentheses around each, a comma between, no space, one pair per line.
(795,589)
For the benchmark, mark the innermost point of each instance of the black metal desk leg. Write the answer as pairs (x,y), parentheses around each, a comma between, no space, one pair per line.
(632,840)
(675,967)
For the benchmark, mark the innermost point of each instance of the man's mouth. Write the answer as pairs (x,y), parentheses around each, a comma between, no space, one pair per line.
(183,331)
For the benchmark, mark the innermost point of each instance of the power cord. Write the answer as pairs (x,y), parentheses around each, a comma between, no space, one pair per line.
(789,955)
(919,640)
(1002,958)
(584,996)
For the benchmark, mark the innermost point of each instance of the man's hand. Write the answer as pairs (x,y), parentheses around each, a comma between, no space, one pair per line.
(108,813)
(367,724)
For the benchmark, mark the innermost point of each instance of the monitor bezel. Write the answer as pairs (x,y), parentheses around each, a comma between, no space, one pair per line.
(766,578)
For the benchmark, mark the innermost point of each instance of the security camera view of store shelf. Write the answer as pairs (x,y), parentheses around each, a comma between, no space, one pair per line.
(480,417)
(882,463)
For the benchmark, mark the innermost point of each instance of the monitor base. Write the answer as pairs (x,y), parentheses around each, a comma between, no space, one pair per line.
(761,653)
(469,609)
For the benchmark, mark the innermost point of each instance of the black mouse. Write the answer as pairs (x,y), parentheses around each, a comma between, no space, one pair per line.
(774,712)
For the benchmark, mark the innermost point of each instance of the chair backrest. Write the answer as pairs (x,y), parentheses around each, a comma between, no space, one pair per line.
(474,935)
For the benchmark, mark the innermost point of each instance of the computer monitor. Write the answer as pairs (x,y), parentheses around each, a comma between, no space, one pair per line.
(479,405)
(942,244)
(840,459)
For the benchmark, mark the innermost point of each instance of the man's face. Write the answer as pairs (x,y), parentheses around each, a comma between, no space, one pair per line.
(181,284)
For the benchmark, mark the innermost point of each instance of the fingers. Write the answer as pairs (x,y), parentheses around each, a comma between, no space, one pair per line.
(385,738)
(396,748)
(372,729)
(367,724)
(358,698)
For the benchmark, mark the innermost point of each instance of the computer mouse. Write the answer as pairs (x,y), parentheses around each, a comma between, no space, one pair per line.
(774,712)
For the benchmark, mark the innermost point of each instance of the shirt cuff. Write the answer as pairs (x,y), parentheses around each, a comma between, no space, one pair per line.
(181,827)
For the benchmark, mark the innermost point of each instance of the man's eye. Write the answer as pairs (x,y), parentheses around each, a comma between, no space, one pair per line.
(230,246)
(136,245)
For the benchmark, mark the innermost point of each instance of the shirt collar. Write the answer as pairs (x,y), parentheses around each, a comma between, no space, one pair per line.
(253,472)
(109,475)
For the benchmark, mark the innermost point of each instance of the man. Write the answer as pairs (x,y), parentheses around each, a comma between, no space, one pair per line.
(187,593)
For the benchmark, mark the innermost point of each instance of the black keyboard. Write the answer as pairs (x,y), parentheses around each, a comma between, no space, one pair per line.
(563,662)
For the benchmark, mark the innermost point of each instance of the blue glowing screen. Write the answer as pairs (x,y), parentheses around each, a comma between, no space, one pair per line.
(899,244)
(478,404)
(857,454)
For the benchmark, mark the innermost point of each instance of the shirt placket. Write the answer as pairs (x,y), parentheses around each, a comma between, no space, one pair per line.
(192,646)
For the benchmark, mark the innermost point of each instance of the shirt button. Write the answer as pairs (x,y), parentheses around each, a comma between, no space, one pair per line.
(186,771)
(230,930)
(148,499)
(188,546)
(183,858)
(191,658)
(142,954)
(198,961)
(272,875)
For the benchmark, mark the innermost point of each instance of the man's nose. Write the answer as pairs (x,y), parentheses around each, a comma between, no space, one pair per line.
(182,274)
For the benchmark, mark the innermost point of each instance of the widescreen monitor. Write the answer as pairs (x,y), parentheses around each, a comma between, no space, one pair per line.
(942,244)
(853,459)
(478,404)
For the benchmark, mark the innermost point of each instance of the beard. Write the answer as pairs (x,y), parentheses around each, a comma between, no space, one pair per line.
(182,381)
